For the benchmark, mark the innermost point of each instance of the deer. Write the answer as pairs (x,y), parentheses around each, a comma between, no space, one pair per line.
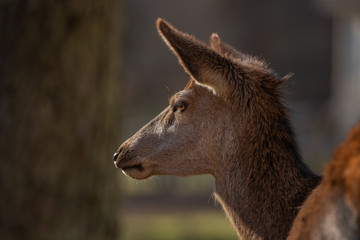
(230,122)
(332,211)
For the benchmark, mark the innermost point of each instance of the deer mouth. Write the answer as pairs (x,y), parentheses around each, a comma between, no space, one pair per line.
(125,161)
(138,167)
(132,165)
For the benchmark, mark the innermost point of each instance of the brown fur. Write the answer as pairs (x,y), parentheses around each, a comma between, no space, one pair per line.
(332,211)
(229,122)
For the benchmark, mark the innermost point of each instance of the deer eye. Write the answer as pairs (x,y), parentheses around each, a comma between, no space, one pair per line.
(179,107)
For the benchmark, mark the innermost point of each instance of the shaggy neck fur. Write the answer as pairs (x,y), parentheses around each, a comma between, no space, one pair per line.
(264,182)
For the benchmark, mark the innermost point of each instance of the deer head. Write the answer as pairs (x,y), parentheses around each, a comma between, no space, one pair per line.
(203,123)
(230,122)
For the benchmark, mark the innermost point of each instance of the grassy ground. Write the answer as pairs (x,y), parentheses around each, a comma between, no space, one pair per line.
(170,208)
(175,226)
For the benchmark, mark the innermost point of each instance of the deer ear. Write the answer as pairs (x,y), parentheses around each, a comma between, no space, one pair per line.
(224,48)
(205,66)
(230,52)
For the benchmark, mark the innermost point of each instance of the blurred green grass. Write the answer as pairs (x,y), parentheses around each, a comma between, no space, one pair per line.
(198,225)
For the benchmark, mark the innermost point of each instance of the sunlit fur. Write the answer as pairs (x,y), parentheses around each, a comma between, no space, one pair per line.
(236,128)
(332,211)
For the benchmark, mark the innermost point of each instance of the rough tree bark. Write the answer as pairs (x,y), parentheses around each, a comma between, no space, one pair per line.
(59,84)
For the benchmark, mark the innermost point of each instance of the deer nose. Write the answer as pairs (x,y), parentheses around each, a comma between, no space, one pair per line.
(116,156)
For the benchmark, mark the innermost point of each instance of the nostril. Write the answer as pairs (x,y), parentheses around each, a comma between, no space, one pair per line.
(115,156)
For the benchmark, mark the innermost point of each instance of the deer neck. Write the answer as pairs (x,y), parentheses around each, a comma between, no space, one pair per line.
(264,183)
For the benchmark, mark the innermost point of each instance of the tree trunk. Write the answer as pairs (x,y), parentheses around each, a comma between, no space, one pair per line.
(59,105)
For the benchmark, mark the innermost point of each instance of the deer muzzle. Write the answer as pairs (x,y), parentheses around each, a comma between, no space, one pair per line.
(130,165)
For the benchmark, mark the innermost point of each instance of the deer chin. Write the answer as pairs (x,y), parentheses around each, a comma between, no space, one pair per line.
(137,171)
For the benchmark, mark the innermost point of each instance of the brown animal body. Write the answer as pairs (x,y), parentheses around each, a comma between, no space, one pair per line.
(332,211)
(230,122)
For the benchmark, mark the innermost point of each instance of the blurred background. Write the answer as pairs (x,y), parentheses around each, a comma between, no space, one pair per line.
(77,78)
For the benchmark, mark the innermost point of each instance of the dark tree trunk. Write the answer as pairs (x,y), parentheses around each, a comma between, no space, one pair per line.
(59,84)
